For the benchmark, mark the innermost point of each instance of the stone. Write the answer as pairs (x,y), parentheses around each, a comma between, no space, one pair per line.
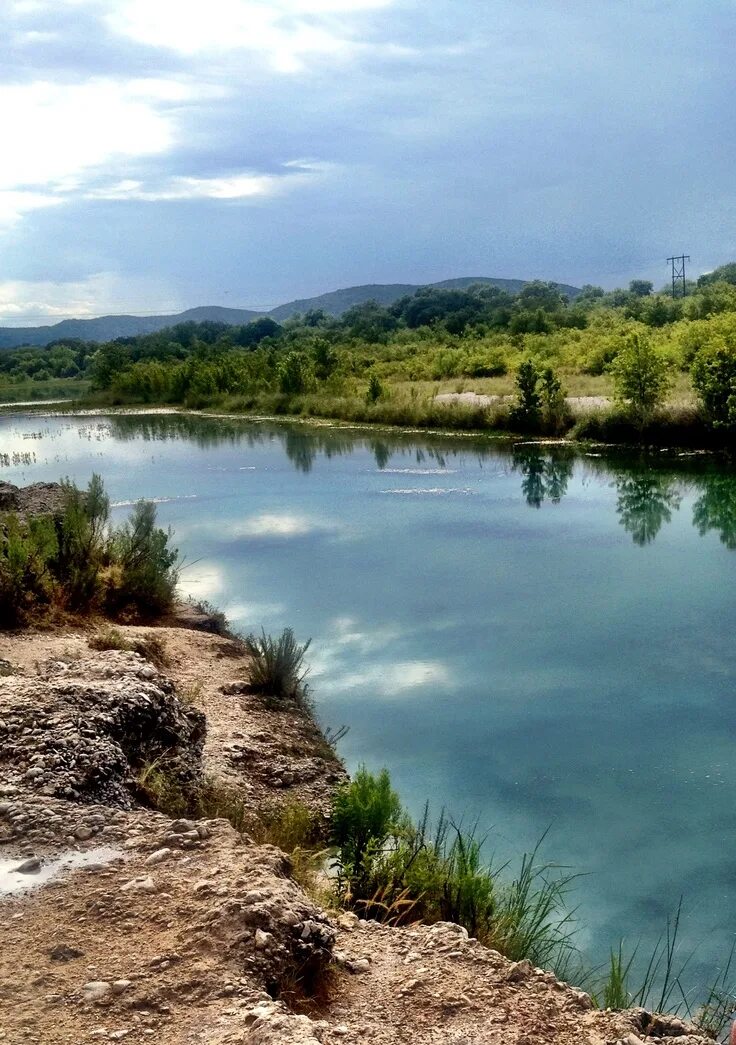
(83,833)
(30,866)
(139,885)
(358,965)
(158,856)
(263,940)
(96,990)
(63,953)
(180,827)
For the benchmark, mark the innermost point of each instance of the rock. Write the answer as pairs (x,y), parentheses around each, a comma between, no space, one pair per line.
(96,990)
(180,827)
(519,971)
(158,856)
(30,866)
(63,953)
(358,965)
(82,834)
(139,885)
(263,940)
(119,986)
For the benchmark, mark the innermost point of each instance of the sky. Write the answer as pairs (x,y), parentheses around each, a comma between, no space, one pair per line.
(161,154)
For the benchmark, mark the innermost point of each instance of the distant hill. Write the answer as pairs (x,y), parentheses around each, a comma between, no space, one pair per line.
(339,301)
(105,328)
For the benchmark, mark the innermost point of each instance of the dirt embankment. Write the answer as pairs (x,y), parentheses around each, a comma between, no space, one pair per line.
(118,923)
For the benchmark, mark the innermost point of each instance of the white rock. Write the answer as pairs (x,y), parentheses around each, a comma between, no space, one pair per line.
(263,940)
(158,857)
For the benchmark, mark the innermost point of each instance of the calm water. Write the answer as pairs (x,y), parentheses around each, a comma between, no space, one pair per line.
(534,640)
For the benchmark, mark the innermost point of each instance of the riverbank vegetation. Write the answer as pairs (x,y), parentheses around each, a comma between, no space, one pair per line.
(629,365)
(73,561)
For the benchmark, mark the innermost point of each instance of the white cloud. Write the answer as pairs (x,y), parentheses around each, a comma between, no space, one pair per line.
(246,185)
(25,302)
(286,31)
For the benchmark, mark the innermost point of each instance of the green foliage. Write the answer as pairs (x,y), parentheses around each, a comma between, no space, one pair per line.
(146,565)
(527,412)
(276,666)
(26,583)
(714,380)
(74,561)
(364,813)
(640,376)
(395,870)
(82,542)
(375,390)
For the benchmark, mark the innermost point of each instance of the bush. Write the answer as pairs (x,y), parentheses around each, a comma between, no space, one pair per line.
(364,813)
(26,583)
(714,379)
(145,574)
(276,666)
(640,377)
(82,542)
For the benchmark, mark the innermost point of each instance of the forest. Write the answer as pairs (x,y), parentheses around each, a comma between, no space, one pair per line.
(625,359)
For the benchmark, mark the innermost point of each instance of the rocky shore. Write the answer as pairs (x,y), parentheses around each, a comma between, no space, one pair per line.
(119,923)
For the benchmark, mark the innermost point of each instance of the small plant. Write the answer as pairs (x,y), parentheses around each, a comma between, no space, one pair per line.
(375,390)
(109,638)
(277,665)
(364,813)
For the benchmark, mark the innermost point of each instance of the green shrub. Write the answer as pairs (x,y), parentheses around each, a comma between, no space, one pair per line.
(640,377)
(714,380)
(526,414)
(145,570)
(364,813)
(26,582)
(276,666)
(82,542)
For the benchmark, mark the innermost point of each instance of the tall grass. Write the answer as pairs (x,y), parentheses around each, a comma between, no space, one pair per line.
(277,665)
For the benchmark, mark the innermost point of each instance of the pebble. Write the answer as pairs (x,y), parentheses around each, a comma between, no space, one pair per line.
(358,965)
(96,990)
(140,885)
(158,857)
(263,940)
(82,834)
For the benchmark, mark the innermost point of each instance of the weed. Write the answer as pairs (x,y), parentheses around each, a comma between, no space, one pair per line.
(276,667)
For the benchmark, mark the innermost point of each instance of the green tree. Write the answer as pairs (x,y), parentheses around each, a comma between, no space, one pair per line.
(527,411)
(641,288)
(714,379)
(375,390)
(640,377)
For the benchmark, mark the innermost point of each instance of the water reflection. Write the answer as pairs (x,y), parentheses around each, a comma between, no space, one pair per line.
(715,509)
(545,475)
(645,503)
(649,490)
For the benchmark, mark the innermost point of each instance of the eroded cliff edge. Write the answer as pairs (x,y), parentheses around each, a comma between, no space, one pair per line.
(127,924)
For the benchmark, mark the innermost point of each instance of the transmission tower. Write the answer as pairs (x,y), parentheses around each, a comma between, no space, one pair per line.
(678,273)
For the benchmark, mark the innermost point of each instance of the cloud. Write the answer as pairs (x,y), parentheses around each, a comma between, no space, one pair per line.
(286,31)
(25,302)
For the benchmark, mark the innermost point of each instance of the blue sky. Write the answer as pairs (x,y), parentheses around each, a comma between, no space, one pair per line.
(159,154)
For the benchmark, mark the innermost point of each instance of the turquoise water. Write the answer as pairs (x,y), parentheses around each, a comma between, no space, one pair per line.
(535,640)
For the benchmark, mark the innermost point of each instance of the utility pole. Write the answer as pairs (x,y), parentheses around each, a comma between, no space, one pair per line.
(678,273)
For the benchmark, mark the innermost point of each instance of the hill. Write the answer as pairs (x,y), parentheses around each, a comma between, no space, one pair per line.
(334,303)
(338,301)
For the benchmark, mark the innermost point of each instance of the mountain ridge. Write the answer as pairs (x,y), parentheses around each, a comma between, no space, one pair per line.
(334,303)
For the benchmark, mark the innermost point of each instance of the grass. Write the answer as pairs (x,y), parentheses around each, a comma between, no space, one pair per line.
(150,647)
(56,388)
(276,666)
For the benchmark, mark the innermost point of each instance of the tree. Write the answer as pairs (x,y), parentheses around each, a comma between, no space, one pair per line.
(526,412)
(641,288)
(640,376)
(714,379)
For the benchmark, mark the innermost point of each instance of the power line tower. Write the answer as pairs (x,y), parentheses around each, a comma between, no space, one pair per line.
(678,273)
